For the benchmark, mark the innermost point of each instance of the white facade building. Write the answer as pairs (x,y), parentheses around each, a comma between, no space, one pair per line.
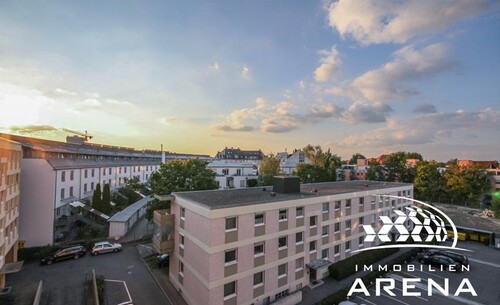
(231,175)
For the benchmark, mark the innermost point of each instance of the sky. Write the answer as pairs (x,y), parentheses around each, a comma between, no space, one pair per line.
(366,76)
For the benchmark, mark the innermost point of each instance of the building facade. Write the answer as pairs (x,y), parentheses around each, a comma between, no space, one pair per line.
(259,245)
(238,155)
(231,175)
(10,181)
(56,175)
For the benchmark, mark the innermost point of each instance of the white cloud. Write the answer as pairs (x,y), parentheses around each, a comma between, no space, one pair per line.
(329,65)
(423,129)
(373,21)
(245,73)
(215,67)
(391,81)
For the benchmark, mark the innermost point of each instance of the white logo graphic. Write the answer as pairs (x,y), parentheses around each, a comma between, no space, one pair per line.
(440,233)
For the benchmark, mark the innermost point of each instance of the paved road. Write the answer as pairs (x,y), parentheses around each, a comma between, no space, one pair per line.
(64,282)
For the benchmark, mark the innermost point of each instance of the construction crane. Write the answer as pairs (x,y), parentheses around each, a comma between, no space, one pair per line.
(85,135)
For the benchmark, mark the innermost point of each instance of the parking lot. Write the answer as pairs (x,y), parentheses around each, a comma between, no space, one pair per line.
(64,282)
(484,275)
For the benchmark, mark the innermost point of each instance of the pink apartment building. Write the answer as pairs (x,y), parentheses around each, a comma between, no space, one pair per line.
(259,245)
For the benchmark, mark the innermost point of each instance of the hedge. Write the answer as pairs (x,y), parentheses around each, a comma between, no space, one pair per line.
(346,267)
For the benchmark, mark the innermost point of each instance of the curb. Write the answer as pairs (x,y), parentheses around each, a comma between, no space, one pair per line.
(157,281)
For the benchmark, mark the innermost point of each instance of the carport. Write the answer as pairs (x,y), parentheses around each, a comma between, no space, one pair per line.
(121,222)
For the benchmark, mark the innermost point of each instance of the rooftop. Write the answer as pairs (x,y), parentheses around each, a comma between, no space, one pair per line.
(218,199)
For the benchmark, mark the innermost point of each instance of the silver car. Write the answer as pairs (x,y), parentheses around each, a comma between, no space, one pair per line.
(105,247)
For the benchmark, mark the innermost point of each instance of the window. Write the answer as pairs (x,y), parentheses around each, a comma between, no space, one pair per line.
(70,191)
(181,240)
(72,175)
(230,256)
(258,249)
(281,294)
(312,221)
(299,237)
(326,207)
(299,264)
(230,289)
(62,194)
(183,213)
(361,241)
(119,170)
(348,224)
(238,172)
(92,173)
(361,220)
(85,187)
(91,186)
(299,212)
(282,242)
(324,231)
(347,246)
(258,278)
(125,170)
(231,224)
(337,205)
(282,270)
(63,176)
(85,173)
(109,171)
(348,203)
(225,172)
(373,218)
(104,171)
(361,201)
(324,254)
(336,250)
(283,215)
(259,219)
(337,227)
(181,268)
(312,246)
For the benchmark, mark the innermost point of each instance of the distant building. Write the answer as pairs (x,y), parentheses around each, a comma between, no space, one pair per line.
(10,181)
(257,246)
(483,164)
(289,165)
(57,175)
(231,175)
(238,155)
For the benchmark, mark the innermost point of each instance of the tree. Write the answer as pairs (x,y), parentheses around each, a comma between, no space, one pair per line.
(252,182)
(135,184)
(465,184)
(106,199)
(154,205)
(495,204)
(397,169)
(179,176)
(309,173)
(355,157)
(322,168)
(375,172)
(429,183)
(269,168)
(97,198)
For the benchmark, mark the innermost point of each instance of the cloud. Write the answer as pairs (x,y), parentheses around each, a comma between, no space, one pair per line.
(245,73)
(31,129)
(329,65)
(391,81)
(395,21)
(425,128)
(424,108)
(326,110)
(215,67)
(64,92)
(229,128)
(367,113)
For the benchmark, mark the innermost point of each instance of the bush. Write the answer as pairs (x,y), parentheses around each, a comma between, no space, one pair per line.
(100,288)
(34,253)
(346,267)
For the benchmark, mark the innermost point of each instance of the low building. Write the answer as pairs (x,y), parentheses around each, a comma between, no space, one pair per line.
(260,245)
(231,175)
(10,181)
(289,165)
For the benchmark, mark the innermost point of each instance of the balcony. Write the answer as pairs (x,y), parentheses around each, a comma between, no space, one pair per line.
(163,237)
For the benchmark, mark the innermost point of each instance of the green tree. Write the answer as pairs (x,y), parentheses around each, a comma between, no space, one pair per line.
(398,170)
(495,204)
(106,199)
(375,172)
(269,168)
(135,184)
(179,176)
(154,205)
(465,184)
(252,182)
(322,168)
(355,157)
(97,198)
(429,183)
(309,173)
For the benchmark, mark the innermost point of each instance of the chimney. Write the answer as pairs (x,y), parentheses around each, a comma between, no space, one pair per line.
(286,184)
(162,155)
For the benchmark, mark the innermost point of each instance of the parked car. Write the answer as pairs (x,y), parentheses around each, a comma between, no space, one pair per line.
(75,252)
(162,260)
(440,260)
(105,247)
(458,257)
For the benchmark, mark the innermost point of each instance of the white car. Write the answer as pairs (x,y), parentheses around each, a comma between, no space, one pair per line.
(105,247)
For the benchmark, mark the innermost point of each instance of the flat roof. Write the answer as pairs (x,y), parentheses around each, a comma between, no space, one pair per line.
(97,163)
(219,199)
(126,213)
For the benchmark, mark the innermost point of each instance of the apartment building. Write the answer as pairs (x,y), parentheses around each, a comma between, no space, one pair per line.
(233,175)
(260,245)
(10,175)
(239,155)
(56,175)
